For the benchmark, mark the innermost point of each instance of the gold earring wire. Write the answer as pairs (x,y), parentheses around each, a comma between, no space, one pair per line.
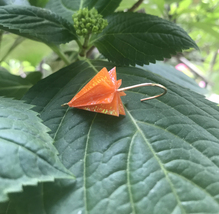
(146,84)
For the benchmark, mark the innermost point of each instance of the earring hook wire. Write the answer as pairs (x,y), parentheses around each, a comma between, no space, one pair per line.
(145,84)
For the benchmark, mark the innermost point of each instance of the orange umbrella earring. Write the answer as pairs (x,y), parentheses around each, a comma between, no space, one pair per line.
(102,94)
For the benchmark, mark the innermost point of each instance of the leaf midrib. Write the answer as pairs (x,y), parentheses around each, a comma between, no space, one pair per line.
(128,175)
(134,33)
(85,162)
(15,87)
(186,115)
(158,160)
(180,139)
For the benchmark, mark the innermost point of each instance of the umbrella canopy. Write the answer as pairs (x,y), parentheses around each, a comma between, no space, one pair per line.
(101,94)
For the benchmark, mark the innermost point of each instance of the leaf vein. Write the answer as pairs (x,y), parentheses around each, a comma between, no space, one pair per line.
(85,160)
(158,160)
(128,174)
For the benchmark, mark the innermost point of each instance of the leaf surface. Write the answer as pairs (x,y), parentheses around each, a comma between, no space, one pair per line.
(66,8)
(27,155)
(36,23)
(161,156)
(16,86)
(135,38)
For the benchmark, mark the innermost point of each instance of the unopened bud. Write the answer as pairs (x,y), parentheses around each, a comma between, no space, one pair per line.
(84,31)
(87,22)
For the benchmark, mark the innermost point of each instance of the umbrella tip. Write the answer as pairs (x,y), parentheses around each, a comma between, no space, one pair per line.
(65,104)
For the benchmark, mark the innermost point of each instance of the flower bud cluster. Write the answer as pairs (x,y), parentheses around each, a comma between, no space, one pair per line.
(88,21)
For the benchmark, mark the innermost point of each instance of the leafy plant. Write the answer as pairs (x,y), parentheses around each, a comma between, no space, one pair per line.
(162,157)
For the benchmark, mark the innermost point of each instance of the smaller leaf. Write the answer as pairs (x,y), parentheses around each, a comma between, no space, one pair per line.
(15,86)
(134,38)
(36,23)
(27,155)
(106,7)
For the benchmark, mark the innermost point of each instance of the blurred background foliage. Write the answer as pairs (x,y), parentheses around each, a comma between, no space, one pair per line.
(200,18)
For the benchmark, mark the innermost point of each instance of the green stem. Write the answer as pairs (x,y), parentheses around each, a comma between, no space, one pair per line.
(17,41)
(59,53)
(212,63)
(84,47)
(79,43)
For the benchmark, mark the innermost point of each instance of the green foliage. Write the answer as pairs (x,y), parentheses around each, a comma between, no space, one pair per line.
(66,8)
(162,152)
(36,23)
(137,39)
(15,86)
(88,21)
(161,158)
(27,154)
(200,19)
(140,39)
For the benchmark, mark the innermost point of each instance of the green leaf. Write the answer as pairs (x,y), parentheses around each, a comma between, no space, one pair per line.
(16,86)
(27,154)
(36,23)
(134,38)
(14,2)
(162,157)
(66,8)
(33,77)
(38,3)
(173,75)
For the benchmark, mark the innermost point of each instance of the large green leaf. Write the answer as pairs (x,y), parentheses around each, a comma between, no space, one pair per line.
(27,155)
(135,38)
(15,86)
(36,23)
(162,157)
(66,8)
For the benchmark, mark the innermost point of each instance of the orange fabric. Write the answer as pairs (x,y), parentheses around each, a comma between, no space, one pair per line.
(100,94)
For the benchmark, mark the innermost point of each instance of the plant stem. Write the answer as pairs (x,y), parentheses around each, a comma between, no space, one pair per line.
(135,6)
(84,46)
(213,61)
(18,40)
(195,70)
(79,43)
(59,53)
